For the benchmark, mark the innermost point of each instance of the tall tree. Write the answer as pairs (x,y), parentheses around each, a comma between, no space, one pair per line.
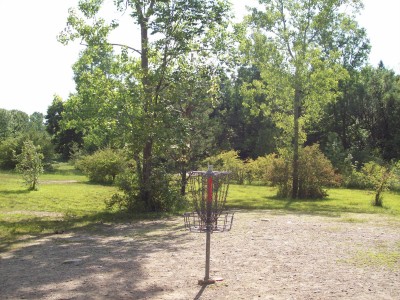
(19,122)
(64,139)
(132,84)
(193,129)
(5,118)
(36,121)
(294,44)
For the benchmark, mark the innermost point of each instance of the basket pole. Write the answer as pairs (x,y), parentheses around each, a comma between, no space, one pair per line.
(208,221)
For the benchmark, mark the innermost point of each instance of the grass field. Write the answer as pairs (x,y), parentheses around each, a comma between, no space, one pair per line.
(66,200)
(338,201)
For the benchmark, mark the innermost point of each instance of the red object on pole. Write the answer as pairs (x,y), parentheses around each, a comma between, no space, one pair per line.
(209,189)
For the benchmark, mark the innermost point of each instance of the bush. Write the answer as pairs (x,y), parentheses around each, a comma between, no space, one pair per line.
(259,170)
(229,161)
(395,184)
(103,166)
(379,177)
(166,196)
(30,164)
(315,173)
(355,179)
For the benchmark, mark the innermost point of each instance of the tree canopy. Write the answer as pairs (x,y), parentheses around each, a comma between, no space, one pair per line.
(297,45)
(187,84)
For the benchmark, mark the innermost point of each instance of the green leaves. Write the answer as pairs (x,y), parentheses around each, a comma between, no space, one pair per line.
(295,45)
(30,164)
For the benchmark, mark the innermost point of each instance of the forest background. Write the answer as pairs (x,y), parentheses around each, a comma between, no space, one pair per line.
(285,98)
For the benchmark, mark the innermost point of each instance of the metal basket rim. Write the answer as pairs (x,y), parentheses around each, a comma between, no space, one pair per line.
(201,227)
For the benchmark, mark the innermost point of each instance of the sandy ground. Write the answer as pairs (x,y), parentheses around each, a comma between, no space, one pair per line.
(266,255)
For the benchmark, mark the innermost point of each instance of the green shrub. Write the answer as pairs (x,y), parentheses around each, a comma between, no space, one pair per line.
(259,170)
(165,189)
(103,166)
(379,177)
(315,173)
(395,183)
(355,179)
(281,175)
(229,161)
(29,164)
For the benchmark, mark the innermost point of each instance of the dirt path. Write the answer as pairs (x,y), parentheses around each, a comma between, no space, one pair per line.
(267,255)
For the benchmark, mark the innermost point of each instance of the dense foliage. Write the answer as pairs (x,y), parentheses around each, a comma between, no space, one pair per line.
(192,88)
(18,127)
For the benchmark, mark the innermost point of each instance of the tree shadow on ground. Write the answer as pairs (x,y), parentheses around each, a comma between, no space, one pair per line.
(32,226)
(289,206)
(105,261)
(14,192)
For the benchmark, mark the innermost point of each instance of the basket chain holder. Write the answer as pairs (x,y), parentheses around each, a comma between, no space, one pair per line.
(208,190)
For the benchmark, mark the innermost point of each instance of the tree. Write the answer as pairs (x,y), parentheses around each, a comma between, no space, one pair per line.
(126,92)
(19,122)
(5,117)
(17,127)
(36,122)
(378,110)
(299,66)
(64,139)
(365,118)
(192,129)
(253,135)
(12,123)
(53,116)
(30,164)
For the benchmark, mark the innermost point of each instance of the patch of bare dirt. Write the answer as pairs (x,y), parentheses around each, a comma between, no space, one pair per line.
(58,181)
(266,256)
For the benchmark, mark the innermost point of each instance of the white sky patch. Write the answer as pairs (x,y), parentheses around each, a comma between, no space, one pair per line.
(34,65)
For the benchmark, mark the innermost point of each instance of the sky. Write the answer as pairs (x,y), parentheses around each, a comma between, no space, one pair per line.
(34,66)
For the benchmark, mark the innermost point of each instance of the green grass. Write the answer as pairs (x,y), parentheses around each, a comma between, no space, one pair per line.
(66,201)
(338,201)
(382,256)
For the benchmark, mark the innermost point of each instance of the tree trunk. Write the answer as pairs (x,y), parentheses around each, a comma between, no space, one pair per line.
(146,176)
(146,186)
(296,115)
(183,181)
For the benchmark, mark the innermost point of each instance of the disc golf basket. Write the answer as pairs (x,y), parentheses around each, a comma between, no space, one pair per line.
(208,190)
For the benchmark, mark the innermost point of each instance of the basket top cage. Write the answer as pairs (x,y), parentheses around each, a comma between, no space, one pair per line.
(208,190)
(210,172)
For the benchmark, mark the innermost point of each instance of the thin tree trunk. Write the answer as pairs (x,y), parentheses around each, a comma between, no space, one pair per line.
(296,115)
(183,181)
(145,188)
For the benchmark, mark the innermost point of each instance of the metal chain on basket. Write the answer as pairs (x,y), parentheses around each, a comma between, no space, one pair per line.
(197,183)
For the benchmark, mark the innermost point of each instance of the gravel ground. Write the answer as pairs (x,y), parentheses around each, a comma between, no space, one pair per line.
(266,255)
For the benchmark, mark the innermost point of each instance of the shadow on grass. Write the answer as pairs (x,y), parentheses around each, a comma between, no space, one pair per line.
(14,192)
(95,266)
(33,227)
(322,207)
